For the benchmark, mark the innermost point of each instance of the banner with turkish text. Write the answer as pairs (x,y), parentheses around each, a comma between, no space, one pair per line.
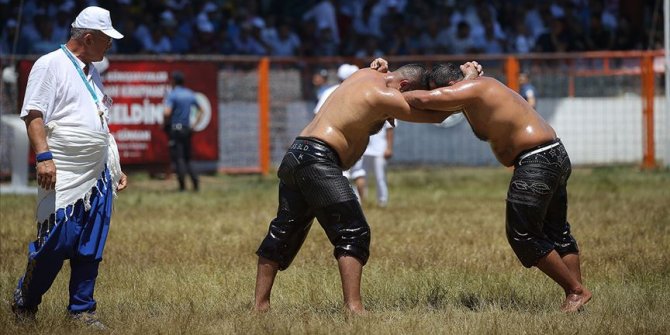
(138,90)
(136,118)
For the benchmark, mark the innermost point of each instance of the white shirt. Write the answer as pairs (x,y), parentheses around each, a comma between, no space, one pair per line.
(56,89)
(378,143)
(370,25)
(326,93)
(325,16)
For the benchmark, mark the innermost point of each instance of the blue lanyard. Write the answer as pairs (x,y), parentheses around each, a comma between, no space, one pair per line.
(82,75)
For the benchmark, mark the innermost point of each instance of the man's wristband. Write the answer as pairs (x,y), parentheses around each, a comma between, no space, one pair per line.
(44,156)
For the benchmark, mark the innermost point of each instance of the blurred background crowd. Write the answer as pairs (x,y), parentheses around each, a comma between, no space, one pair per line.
(360,28)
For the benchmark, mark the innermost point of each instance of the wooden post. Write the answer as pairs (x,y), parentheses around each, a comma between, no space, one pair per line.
(649,153)
(512,73)
(571,78)
(264,115)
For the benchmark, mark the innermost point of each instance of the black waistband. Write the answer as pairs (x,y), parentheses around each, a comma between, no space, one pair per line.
(523,152)
(316,147)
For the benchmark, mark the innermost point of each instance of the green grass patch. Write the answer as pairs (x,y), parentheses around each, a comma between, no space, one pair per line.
(184,263)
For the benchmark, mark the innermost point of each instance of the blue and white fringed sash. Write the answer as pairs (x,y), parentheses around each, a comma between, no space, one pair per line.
(80,156)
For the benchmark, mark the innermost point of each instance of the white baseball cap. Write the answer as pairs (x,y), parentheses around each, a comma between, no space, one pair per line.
(96,18)
(346,70)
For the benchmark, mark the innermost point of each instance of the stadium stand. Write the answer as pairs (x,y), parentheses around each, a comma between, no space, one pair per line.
(344,27)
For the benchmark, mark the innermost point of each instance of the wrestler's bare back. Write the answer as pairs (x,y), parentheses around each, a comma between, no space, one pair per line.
(350,115)
(496,114)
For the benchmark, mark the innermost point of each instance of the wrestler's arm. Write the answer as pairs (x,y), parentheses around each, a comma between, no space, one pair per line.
(471,70)
(426,116)
(380,65)
(392,102)
(452,99)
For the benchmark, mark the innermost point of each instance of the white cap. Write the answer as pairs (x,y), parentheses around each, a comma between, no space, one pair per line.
(96,18)
(9,75)
(346,70)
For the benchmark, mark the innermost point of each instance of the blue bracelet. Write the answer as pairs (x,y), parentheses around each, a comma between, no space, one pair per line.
(44,156)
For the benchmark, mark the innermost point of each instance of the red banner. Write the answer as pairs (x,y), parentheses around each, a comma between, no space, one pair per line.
(138,89)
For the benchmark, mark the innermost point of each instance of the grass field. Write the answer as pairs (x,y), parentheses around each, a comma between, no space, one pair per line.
(184,263)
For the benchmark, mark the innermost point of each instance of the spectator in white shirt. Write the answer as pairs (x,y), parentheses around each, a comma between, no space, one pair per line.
(521,41)
(324,14)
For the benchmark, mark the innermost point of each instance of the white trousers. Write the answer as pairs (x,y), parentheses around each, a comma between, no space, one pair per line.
(377,165)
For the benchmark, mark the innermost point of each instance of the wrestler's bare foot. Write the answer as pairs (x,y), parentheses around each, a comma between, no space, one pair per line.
(262,307)
(355,309)
(575,301)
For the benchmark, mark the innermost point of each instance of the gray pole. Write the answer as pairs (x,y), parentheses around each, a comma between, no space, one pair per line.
(666,30)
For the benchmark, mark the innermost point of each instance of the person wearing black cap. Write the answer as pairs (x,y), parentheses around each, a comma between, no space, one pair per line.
(178,105)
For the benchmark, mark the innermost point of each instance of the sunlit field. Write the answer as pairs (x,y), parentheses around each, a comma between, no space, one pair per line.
(184,263)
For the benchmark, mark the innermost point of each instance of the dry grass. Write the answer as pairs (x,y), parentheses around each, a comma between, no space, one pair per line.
(184,263)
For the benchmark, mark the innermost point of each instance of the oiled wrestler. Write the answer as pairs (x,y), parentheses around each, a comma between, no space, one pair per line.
(537,226)
(311,181)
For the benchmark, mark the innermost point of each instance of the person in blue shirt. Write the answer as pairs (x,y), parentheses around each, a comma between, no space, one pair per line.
(178,106)
(527,90)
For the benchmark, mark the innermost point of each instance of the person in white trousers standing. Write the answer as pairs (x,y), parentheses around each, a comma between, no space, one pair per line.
(380,149)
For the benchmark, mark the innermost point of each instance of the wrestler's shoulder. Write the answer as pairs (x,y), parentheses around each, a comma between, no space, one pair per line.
(486,81)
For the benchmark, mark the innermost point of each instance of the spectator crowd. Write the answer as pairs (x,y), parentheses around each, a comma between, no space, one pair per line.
(361,28)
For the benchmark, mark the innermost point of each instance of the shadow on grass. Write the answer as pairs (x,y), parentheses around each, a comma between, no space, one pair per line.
(439,297)
(511,301)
